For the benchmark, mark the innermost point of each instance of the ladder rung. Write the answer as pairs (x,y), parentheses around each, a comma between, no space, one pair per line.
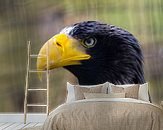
(33,71)
(37,89)
(36,105)
(40,56)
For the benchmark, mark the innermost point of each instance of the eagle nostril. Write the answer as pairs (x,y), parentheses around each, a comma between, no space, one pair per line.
(58,44)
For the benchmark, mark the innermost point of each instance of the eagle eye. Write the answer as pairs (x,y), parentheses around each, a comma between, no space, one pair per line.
(89,42)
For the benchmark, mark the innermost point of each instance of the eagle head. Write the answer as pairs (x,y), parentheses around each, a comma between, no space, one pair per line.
(95,53)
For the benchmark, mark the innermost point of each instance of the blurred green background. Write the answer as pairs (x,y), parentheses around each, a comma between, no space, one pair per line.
(39,20)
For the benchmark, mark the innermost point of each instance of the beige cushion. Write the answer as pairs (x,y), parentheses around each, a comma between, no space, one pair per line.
(79,91)
(103,95)
(71,91)
(143,90)
(130,92)
(161,104)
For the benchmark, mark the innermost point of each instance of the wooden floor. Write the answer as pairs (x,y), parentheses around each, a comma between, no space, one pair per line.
(15,121)
(17,126)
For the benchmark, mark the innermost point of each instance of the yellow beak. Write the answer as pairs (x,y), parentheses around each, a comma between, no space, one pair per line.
(61,50)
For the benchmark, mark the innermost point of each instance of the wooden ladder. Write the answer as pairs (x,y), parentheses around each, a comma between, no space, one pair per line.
(27,89)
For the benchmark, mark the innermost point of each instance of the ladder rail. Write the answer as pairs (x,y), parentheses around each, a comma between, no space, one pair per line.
(47,78)
(27,83)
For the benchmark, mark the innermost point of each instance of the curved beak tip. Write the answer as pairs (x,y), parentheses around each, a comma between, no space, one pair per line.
(68,52)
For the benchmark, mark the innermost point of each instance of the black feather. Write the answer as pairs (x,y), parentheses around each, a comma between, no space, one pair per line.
(116,57)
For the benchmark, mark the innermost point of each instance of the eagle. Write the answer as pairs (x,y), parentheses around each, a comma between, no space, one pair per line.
(95,52)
